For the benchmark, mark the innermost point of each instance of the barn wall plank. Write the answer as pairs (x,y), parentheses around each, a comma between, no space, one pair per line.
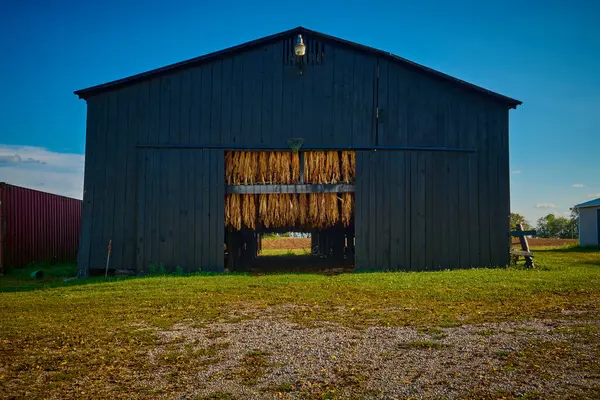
(120,175)
(199,220)
(136,126)
(484,195)
(195,105)
(276,92)
(473,188)
(361,211)
(141,208)
(504,187)
(253,99)
(90,183)
(212,221)
(217,213)
(373,217)
(436,237)
(431,246)
(184,247)
(387,209)
(383,103)
(399,231)
(250,75)
(206,79)
(465,261)
(236,100)
(225,103)
(216,102)
(110,176)
(205,200)
(174,168)
(500,190)
(266,102)
(325,80)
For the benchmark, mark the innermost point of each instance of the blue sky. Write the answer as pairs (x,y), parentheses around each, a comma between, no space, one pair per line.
(545,53)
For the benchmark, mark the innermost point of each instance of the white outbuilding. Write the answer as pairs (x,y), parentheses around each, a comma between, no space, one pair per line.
(589,223)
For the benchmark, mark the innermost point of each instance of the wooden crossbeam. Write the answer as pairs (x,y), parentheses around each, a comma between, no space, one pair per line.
(521,253)
(257,189)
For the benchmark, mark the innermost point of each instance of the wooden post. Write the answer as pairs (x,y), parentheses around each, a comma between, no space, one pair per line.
(314,243)
(248,249)
(525,246)
(338,244)
(236,250)
(327,247)
(322,244)
(230,249)
(259,247)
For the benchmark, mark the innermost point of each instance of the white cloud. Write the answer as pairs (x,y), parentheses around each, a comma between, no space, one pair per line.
(545,205)
(42,169)
(578,185)
(561,213)
(593,195)
(516,171)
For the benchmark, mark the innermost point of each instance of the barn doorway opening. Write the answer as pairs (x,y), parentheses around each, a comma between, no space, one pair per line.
(284,244)
(289,211)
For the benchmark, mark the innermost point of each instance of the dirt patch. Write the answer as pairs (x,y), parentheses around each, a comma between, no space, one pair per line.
(272,358)
(547,242)
(286,243)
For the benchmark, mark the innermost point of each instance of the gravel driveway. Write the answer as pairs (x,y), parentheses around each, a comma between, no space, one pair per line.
(272,358)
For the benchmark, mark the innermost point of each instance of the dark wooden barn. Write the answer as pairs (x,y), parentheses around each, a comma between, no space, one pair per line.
(432,156)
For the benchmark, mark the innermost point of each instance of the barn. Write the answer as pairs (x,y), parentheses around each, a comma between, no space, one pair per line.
(387,163)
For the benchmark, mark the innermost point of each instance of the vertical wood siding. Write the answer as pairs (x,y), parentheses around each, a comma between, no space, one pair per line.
(433,210)
(414,210)
(180,210)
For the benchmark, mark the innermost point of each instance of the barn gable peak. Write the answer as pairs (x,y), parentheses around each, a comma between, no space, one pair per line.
(290,35)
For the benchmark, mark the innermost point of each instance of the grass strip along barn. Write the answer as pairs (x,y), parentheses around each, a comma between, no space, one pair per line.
(390,165)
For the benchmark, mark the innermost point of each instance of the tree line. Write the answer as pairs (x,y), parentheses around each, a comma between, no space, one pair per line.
(550,226)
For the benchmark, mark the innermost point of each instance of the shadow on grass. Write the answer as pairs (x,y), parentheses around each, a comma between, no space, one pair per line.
(64,275)
(570,249)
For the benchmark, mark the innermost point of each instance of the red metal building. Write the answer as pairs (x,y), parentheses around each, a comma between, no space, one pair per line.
(37,227)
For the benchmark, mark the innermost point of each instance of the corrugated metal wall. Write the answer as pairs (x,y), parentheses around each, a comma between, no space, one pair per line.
(37,226)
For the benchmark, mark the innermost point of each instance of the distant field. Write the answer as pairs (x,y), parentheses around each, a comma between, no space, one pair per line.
(286,243)
(302,243)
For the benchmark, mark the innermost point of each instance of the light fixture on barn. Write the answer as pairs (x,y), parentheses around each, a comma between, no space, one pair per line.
(300,47)
(300,50)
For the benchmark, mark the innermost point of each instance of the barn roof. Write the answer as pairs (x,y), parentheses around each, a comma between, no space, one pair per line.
(85,93)
(591,203)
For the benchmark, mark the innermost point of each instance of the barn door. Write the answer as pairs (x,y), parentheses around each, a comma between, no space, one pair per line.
(180,209)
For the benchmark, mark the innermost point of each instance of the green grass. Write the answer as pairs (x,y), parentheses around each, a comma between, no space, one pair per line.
(55,333)
(434,333)
(17,279)
(284,252)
